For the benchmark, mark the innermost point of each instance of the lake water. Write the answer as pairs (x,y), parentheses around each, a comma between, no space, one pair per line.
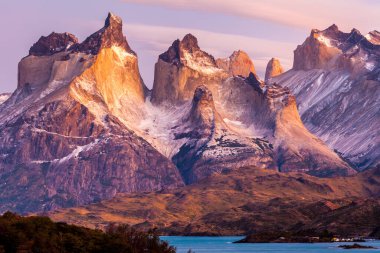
(224,245)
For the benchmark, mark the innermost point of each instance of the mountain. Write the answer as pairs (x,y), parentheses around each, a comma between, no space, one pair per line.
(273,69)
(82,126)
(373,37)
(62,144)
(246,200)
(249,122)
(336,79)
(238,64)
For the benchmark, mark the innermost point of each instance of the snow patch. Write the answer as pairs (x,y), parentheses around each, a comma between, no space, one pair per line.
(75,153)
(160,123)
(4,97)
(234,122)
(122,53)
(39,130)
(370,66)
(325,40)
(52,86)
(368,37)
(200,64)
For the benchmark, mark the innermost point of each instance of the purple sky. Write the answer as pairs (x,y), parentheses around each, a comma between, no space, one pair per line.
(264,29)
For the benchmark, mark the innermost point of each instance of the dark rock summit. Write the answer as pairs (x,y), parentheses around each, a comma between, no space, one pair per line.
(54,43)
(110,35)
(189,44)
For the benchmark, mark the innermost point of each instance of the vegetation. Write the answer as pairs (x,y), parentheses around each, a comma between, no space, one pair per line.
(40,234)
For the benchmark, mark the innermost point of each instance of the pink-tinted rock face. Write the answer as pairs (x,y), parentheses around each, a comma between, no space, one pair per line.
(273,69)
(181,69)
(238,64)
(314,53)
(333,49)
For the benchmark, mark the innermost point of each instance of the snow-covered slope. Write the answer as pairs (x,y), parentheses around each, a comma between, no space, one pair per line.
(4,97)
(338,93)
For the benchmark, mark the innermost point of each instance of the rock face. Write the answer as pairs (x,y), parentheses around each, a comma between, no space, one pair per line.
(273,69)
(316,51)
(238,64)
(337,91)
(181,69)
(110,35)
(62,141)
(245,122)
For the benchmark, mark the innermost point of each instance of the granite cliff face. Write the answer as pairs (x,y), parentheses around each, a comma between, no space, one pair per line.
(273,69)
(238,64)
(336,79)
(62,142)
(182,68)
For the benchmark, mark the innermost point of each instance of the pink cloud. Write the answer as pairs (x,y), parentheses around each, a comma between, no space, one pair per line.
(300,13)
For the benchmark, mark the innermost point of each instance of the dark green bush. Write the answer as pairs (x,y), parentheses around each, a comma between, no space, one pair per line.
(41,235)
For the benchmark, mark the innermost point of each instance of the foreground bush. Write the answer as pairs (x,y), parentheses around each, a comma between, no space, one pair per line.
(41,235)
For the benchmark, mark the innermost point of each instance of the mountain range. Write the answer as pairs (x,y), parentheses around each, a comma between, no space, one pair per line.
(82,126)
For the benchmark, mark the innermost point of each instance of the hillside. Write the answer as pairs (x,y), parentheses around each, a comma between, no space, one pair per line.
(244,201)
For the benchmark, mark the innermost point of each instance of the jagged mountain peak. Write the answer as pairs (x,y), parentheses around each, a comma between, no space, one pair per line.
(273,69)
(110,35)
(238,53)
(333,27)
(189,42)
(186,52)
(373,37)
(332,48)
(189,67)
(113,20)
(53,43)
(238,64)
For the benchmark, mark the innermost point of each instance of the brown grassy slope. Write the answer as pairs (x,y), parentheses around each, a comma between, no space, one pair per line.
(237,202)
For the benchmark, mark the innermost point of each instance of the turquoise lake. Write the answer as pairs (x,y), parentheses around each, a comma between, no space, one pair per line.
(225,245)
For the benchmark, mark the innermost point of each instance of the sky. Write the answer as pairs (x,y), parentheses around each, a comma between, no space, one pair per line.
(264,29)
